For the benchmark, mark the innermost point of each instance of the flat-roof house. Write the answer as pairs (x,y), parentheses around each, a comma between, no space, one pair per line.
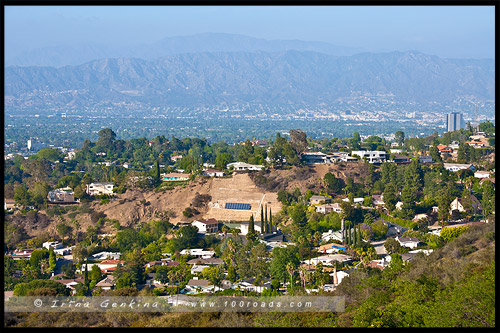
(61,196)
(314,158)
(242,166)
(327,208)
(371,156)
(174,177)
(213,173)
(454,167)
(100,188)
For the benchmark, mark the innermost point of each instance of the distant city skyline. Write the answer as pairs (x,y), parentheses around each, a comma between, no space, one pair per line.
(445,31)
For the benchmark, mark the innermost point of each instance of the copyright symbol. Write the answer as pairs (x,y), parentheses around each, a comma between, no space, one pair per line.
(38,303)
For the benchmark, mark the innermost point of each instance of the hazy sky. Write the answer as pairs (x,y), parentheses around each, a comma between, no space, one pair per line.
(446,31)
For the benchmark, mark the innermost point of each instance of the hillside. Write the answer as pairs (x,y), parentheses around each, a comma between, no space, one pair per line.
(135,206)
(270,78)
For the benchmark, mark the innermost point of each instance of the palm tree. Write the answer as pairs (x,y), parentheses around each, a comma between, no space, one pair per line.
(291,270)
(303,274)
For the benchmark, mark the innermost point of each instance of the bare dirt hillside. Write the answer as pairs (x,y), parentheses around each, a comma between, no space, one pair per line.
(137,206)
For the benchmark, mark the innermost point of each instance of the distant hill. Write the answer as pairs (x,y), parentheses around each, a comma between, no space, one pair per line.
(63,55)
(289,77)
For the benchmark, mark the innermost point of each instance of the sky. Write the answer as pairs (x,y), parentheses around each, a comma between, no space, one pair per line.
(445,31)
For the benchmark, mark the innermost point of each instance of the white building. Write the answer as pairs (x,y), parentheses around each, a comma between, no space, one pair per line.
(410,242)
(371,156)
(206,226)
(100,188)
(454,167)
(198,253)
(327,208)
(242,166)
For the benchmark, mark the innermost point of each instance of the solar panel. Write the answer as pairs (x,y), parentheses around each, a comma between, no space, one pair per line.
(237,205)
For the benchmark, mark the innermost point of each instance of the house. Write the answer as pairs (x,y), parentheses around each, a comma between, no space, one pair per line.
(420,217)
(198,253)
(482,174)
(242,166)
(327,208)
(331,248)
(150,280)
(319,199)
(206,261)
(61,196)
(107,283)
(176,158)
(54,245)
(213,173)
(206,226)
(338,276)
(196,269)
(71,283)
(401,159)
(100,189)
(397,151)
(410,242)
(371,156)
(154,263)
(476,144)
(425,159)
(327,236)
(195,286)
(314,158)
(59,249)
(108,266)
(21,254)
(329,259)
(9,204)
(355,200)
(244,227)
(444,149)
(174,177)
(378,200)
(454,167)
(104,255)
(458,204)
(251,284)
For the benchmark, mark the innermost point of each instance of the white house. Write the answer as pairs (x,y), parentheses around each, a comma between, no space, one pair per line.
(371,156)
(198,253)
(206,226)
(410,242)
(242,166)
(482,174)
(454,167)
(329,259)
(213,173)
(327,208)
(100,188)
(244,227)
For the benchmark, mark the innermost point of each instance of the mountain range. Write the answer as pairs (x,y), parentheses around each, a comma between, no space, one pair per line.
(265,73)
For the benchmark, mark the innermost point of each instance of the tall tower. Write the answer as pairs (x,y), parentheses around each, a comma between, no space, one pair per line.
(454,121)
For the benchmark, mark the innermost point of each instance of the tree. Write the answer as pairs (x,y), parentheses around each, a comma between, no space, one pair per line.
(392,246)
(222,160)
(399,137)
(290,268)
(332,184)
(356,141)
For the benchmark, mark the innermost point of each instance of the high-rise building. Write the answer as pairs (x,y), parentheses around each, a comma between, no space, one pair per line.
(454,121)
